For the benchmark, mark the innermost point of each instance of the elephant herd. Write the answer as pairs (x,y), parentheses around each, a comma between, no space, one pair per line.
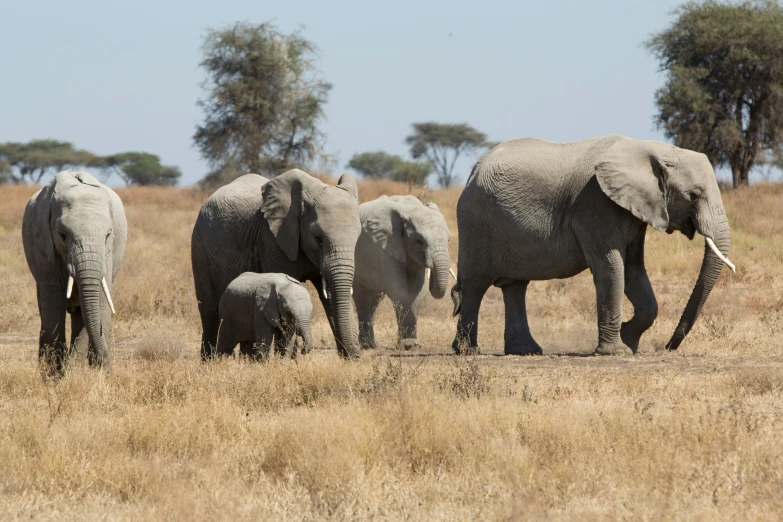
(531,210)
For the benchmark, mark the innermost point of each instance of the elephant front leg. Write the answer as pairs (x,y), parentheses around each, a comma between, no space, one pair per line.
(516,336)
(52,350)
(609,278)
(406,318)
(639,291)
(366,302)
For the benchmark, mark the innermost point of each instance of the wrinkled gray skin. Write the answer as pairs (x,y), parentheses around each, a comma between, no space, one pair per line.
(293,224)
(74,226)
(400,238)
(536,210)
(259,311)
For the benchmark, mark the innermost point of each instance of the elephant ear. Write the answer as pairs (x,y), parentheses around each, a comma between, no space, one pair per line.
(37,223)
(384,225)
(269,306)
(348,184)
(282,208)
(67,179)
(631,175)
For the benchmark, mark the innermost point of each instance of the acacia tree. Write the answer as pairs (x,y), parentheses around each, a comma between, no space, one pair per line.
(30,162)
(381,165)
(441,144)
(141,168)
(264,101)
(724,89)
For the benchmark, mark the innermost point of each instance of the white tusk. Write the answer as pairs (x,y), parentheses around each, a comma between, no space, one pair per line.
(720,256)
(452,273)
(69,289)
(108,295)
(351,290)
(427,273)
(323,288)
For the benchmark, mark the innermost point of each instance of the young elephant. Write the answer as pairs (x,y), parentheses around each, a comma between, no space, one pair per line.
(259,311)
(401,241)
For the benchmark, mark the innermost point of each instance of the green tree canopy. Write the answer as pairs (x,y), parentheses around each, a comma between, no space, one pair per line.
(724,89)
(381,165)
(442,144)
(264,101)
(141,168)
(30,162)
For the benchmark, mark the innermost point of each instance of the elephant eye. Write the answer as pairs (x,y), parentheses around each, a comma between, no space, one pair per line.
(63,236)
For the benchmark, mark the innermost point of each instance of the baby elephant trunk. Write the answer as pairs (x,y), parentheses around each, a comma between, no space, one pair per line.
(439,279)
(303,331)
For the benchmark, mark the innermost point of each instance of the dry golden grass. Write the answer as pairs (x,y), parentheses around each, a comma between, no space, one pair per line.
(689,435)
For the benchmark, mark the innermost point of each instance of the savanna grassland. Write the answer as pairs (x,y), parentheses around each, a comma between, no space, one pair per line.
(694,434)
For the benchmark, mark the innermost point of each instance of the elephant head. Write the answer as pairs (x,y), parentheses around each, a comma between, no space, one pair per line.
(671,189)
(407,230)
(78,233)
(321,221)
(288,306)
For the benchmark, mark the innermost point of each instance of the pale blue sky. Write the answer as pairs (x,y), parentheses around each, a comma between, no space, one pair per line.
(113,77)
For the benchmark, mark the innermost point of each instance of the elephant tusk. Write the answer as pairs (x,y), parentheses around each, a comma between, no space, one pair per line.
(452,273)
(69,288)
(323,288)
(108,295)
(720,256)
(427,273)
(351,290)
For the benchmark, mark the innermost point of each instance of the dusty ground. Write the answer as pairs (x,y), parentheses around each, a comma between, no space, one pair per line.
(694,434)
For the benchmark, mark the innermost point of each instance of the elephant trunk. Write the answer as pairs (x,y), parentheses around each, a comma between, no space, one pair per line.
(439,279)
(338,270)
(711,222)
(303,331)
(87,262)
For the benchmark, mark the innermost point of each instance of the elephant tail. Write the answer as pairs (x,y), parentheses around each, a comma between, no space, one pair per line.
(456,296)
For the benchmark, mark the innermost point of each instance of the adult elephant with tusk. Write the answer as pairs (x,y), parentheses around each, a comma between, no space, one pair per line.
(293,224)
(74,233)
(402,251)
(535,210)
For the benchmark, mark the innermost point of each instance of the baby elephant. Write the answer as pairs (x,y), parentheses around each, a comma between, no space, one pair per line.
(259,311)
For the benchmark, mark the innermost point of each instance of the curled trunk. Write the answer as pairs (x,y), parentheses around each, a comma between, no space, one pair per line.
(303,331)
(439,279)
(715,225)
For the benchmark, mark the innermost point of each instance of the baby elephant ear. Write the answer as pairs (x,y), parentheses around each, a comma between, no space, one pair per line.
(384,225)
(633,176)
(282,208)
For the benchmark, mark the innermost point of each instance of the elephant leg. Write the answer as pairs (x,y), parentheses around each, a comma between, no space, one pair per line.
(406,318)
(281,342)
(52,350)
(366,302)
(516,336)
(80,341)
(225,340)
(210,324)
(609,278)
(246,349)
(466,340)
(102,358)
(639,291)
(263,343)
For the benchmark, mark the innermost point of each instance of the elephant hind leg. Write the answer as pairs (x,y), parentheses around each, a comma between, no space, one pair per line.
(466,340)
(517,338)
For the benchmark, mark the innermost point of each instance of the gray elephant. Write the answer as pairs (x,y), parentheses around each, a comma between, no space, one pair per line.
(536,210)
(74,234)
(293,224)
(257,310)
(401,240)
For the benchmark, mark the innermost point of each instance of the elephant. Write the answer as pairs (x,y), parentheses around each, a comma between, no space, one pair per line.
(257,310)
(74,234)
(537,210)
(293,224)
(401,240)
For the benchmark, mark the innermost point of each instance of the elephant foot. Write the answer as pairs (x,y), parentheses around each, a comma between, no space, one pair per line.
(523,348)
(407,344)
(462,347)
(613,349)
(630,337)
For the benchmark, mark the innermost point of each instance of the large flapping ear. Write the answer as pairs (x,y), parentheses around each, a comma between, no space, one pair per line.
(37,220)
(348,184)
(632,175)
(282,209)
(381,220)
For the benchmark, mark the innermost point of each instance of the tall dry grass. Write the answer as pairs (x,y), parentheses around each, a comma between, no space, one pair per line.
(694,434)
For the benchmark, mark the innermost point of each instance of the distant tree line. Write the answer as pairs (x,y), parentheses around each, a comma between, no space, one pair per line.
(31,162)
